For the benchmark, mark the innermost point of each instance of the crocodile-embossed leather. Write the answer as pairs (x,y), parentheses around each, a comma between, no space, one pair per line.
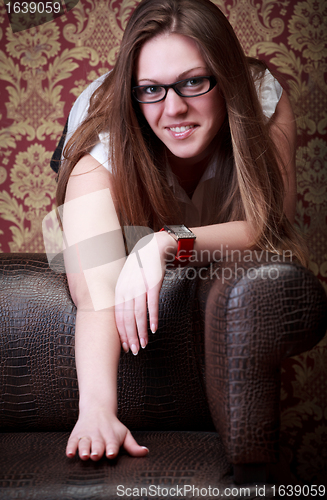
(161,388)
(33,467)
(252,324)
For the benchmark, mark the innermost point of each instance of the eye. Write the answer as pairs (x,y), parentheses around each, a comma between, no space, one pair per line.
(194,86)
(151,90)
(194,82)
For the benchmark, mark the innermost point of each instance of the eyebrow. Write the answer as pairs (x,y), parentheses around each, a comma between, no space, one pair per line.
(180,76)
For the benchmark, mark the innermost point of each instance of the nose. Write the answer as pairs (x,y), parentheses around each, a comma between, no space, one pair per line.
(175,104)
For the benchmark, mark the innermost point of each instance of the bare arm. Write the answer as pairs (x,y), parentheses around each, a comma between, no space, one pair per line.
(88,212)
(211,243)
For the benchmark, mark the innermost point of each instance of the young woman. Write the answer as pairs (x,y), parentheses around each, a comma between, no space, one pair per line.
(184,130)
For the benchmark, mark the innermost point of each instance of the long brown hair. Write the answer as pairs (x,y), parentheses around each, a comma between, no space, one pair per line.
(248,182)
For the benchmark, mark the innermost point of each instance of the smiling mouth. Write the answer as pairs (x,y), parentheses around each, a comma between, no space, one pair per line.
(181,129)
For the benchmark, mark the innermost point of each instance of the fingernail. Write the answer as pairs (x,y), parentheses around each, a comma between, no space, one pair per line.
(70,454)
(143,343)
(94,454)
(125,347)
(134,349)
(153,328)
(145,448)
(85,454)
(110,453)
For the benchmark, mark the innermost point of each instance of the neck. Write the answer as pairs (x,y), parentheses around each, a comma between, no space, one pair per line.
(188,171)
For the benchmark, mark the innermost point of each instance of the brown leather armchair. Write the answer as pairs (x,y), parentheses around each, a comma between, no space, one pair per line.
(204,399)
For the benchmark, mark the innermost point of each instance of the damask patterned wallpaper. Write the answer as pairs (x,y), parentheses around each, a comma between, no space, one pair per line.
(44,69)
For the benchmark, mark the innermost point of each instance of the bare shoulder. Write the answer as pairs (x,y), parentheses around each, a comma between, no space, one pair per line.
(283,126)
(284,117)
(283,132)
(88,176)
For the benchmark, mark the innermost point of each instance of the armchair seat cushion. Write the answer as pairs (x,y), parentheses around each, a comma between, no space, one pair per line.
(33,467)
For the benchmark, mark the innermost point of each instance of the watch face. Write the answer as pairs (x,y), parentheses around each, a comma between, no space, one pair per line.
(180,231)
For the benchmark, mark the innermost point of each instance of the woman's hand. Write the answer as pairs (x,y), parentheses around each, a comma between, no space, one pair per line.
(138,288)
(99,432)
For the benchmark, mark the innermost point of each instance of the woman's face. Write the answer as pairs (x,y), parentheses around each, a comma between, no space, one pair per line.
(186,126)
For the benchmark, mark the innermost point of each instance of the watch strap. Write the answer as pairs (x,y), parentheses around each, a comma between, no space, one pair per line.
(185,245)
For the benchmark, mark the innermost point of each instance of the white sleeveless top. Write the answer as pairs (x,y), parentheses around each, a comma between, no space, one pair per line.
(195,210)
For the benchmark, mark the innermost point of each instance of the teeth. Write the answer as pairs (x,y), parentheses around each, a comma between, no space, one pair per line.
(180,129)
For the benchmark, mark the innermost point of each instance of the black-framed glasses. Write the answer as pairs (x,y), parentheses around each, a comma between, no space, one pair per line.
(190,87)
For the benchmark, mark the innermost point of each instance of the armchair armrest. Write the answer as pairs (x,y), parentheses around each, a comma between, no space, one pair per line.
(255,317)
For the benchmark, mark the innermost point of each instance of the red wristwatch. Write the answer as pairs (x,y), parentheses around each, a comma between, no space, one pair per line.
(185,243)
